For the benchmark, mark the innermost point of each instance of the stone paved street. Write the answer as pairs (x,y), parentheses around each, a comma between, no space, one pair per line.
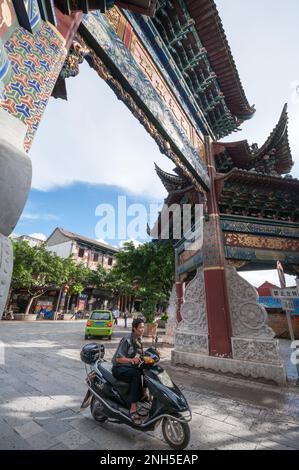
(42,386)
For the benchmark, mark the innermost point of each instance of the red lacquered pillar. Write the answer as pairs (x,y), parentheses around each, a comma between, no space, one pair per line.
(218,312)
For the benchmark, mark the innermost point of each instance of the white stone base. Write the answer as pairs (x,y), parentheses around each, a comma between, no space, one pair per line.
(265,351)
(256,370)
(6,265)
(187,341)
(168,339)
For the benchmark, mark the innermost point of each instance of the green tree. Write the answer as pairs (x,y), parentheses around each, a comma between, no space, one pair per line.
(36,270)
(76,276)
(150,267)
(97,278)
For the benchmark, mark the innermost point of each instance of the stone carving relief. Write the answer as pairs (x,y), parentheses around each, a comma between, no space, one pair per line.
(249,318)
(192,332)
(193,312)
(191,343)
(256,350)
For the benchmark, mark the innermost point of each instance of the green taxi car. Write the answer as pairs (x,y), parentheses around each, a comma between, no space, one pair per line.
(100,323)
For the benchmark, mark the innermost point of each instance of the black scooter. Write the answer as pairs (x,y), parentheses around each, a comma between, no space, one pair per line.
(109,398)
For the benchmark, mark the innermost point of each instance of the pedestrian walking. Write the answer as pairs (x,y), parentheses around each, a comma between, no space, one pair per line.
(74,313)
(126,314)
(115,314)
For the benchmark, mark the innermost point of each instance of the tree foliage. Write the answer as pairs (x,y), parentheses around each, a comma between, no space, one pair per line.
(37,270)
(148,271)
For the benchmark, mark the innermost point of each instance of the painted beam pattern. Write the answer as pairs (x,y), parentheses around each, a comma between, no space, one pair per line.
(146,58)
(256,244)
(259,256)
(260,227)
(261,242)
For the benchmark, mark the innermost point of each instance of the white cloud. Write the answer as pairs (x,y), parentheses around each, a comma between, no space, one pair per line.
(256,278)
(93,138)
(39,236)
(38,216)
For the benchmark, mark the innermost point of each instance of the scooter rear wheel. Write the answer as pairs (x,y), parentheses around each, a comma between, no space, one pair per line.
(96,410)
(176,433)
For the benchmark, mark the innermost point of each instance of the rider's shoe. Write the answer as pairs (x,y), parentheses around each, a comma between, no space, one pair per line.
(136,418)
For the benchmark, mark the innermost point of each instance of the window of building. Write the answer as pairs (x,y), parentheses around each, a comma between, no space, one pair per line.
(96,257)
(110,261)
(81,252)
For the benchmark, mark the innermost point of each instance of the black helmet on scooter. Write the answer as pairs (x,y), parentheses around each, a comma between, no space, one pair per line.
(91,352)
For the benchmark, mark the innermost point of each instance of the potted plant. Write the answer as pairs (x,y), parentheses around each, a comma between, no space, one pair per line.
(148,311)
(162,320)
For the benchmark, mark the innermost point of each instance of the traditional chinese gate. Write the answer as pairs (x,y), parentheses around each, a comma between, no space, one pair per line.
(162,59)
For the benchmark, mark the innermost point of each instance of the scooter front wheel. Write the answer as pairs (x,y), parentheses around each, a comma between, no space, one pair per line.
(176,433)
(96,409)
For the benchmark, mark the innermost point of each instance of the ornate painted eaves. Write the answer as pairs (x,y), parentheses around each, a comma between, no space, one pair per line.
(213,37)
(277,145)
(171,182)
(253,194)
(273,158)
(194,36)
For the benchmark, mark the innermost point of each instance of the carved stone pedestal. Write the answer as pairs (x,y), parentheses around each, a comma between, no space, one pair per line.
(255,352)
(253,342)
(191,335)
(256,370)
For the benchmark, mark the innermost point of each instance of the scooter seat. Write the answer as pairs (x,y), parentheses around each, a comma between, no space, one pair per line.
(106,369)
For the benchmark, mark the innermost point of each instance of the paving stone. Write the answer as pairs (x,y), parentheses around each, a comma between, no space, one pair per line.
(59,446)
(89,445)
(84,425)
(13,441)
(73,439)
(42,441)
(67,414)
(4,428)
(28,429)
(42,386)
(271,445)
(282,440)
(55,426)
(14,419)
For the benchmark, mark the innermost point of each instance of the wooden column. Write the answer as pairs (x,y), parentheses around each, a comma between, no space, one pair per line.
(218,312)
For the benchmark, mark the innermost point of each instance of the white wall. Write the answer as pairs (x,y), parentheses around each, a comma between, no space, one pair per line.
(63,249)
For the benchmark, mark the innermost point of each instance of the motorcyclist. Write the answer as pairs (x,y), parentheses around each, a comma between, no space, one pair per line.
(125,365)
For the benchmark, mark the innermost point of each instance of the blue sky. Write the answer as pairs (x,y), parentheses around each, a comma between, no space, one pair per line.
(91,149)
